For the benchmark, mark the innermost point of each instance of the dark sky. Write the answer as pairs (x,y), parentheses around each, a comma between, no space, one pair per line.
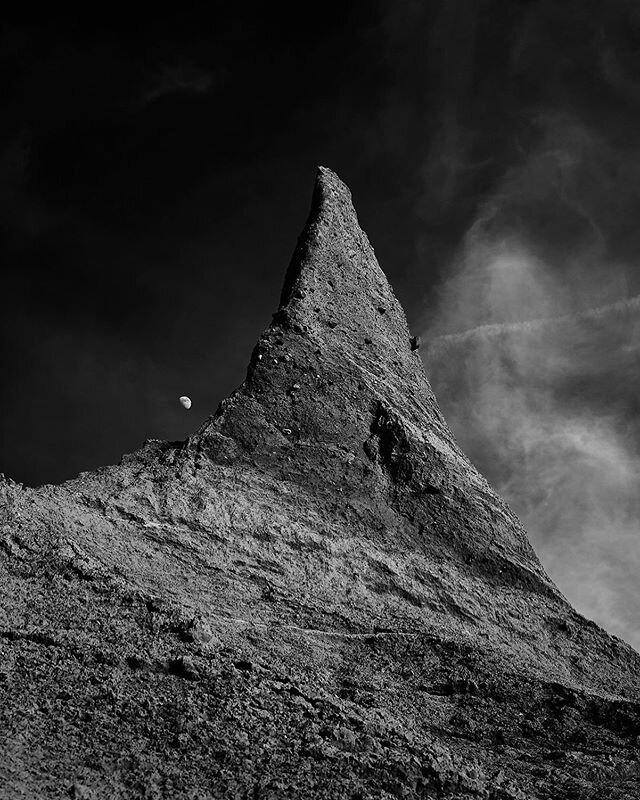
(155,174)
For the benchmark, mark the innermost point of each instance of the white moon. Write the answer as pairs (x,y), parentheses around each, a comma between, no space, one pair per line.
(185,401)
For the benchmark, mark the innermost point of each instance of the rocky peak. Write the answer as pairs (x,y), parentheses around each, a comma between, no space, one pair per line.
(335,290)
(338,325)
(336,398)
(315,595)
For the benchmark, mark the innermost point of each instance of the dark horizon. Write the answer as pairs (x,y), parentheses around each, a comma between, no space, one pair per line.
(157,174)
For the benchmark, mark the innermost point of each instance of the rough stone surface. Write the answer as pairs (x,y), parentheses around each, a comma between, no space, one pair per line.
(315,595)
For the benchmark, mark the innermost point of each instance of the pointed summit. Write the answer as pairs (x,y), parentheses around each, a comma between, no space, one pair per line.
(336,378)
(339,324)
(316,595)
(335,288)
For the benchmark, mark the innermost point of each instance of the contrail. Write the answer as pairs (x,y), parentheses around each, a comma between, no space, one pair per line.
(490,329)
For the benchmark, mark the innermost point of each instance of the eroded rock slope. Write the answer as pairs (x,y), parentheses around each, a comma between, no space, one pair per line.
(315,595)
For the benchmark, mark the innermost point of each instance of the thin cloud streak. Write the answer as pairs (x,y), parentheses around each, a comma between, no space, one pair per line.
(533,350)
(632,304)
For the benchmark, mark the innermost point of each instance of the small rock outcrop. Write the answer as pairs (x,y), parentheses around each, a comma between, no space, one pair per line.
(315,595)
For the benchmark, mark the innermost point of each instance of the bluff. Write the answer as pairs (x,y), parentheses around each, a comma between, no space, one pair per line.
(315,595)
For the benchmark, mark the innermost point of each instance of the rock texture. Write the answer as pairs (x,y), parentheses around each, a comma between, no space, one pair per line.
(316,595)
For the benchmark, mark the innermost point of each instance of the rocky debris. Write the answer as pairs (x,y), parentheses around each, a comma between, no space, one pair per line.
(183,667)
(79,792)
(315,595)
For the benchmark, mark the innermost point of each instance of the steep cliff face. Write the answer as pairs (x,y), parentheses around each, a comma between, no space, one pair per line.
(315,595)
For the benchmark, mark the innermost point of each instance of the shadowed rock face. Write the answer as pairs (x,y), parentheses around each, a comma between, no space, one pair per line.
(316,595)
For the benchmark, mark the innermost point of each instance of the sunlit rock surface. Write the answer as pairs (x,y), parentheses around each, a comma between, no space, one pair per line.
(315,595)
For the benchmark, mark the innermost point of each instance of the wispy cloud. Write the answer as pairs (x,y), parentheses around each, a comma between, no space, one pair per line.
(533,349)
(172,79)
(542,394)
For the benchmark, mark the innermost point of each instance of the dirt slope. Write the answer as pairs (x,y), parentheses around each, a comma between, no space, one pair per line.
(315,595)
